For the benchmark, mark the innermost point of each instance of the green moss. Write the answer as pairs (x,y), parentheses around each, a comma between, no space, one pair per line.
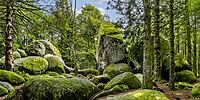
(126,78)
(11,77)
(185,76)
(101,78)
(55,63)
(184,85)
(140,95)
(32,65)
(22,52)
(139,76)
(85,72)
(3,91)
(101,85)
(15,95)
(196,91)
(50,49)
(7,86)
(58,89)
(115,69)
(26,76)
(52,73)
(67,75)
(114,90)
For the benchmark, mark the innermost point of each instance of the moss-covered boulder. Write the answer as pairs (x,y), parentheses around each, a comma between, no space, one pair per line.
(52,73)
(55,63)
(196,91)
(180,64)
(115,69)
(11,77)
(26,76)
(16,55)
(140,95)
(22,52)
(114,90)
(58,89)
(32,65)
(184,85)
(101,79)
(126,78)
(50,48)
(85,72)
(36,48)
(7,86)
(3,91)
(139,76)
(185,76)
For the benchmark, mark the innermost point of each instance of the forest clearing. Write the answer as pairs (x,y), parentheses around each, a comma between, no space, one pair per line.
(100,50)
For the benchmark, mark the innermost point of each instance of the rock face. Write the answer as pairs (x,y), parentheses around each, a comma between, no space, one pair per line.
(140,95)
(58,89)
(115,69)
(50,48)
(55,63)
(126,78)
(185,76)
(36,48)
(110,50)
(11,77)
(196,91)
(32,65)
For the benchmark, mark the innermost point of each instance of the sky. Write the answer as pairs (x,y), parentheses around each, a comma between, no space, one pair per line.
(101,5)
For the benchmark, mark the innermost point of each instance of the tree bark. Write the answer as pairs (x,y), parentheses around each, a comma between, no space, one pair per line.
(188,33)
(9,32)
(195,47)
(147,82)
(172,65)
(157,68)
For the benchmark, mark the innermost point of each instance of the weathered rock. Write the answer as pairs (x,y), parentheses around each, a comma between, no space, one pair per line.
(101,79)
(3,91)
(139,76)
(140,95)
(185,76)
(114,90)
(126,78)
(196,91)
(115,69)
(36,48)
(50,48)
(32,65)
(11,77)
(55,63)
(110,50)
(58,89)
(7,86)
(22,52)
(184,85)
(85,72)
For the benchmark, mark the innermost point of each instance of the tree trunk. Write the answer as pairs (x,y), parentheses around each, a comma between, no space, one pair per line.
(157,68)
(188,33)
(172,65)
(9,32)
(147,83)
(195,46)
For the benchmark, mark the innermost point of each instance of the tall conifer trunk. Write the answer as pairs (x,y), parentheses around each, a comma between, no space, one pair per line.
(9,33)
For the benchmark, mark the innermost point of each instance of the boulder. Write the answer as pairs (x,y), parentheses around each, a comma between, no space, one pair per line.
(3,91)
(85,72)
(52,73)
(22,52)
(196,91)
(7,86)
(184,85)
(55,63)
(185,76)
(36,48)
(115,69)
(32,65)
(139,95)
(11,77)
(110,50)
(126,78)
(101,79)
(139,76)
(45,88)
(50,48)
